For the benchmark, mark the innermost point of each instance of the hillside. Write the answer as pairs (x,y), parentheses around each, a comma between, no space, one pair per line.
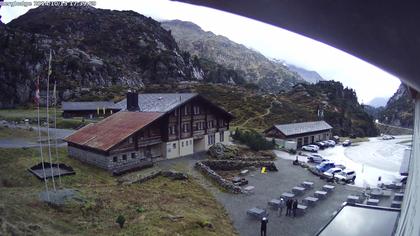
(251,65)
(378,102)
(309,75)
(399,110)
(253,109)
(91,48)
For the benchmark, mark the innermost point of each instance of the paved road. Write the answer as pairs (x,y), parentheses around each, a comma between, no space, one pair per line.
(22,142)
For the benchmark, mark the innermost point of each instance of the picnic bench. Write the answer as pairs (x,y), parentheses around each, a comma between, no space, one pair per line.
(353,199)
(398,196)
(320,194)
(274,203)
(307,184)
(372,202)
(298,190)
(257,213)
(328,188)
(310,201)
(396,204)
(287,195)
(301,210)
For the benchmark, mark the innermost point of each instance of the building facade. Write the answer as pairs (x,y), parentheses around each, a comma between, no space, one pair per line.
(300,133)
(88,109)
(148,128)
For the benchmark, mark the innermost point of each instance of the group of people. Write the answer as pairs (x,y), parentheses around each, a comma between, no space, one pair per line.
(291,206)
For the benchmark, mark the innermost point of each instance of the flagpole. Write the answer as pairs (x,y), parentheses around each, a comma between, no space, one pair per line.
(37,96)
(55,129)
(48,121)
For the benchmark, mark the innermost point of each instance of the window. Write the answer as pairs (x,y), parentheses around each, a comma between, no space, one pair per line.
(133,155)
(115,159)
(186,127)
(222,137)
(174,145)
(124,157)
(182,144)
(211,139)
(186,143)
(186,110)
(171,130)
(130,140)
(196,110)
(190,142)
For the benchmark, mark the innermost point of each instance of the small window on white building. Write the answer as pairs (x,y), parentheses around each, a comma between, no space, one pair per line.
(182,144)
(211,139)
(133,155)
(190,142)
(186,143)
(115,159)
(222,137)
(174,145)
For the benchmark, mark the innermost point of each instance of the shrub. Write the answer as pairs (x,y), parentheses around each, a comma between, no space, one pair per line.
(253,140)
(120,221)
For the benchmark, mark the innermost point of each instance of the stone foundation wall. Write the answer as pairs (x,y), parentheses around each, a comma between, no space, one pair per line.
(225,184)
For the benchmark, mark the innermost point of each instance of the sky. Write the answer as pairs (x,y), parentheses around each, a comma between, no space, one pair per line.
(273,42)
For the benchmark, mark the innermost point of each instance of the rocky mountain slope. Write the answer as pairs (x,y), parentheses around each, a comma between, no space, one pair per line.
(400,109)
(256,110)
(251,65)
(308,75)
(91,48)
(378,102)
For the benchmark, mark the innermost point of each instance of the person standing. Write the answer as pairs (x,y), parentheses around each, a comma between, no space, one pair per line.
(264,222)
(288,207)
(294,207)
(281,206)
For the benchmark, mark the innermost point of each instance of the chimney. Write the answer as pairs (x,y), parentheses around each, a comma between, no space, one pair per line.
(132,101)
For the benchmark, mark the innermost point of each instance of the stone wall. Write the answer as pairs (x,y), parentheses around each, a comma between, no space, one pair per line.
(225,184)
(227,165)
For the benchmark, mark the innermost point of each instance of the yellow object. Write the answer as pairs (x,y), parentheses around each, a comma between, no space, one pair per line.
(263,170)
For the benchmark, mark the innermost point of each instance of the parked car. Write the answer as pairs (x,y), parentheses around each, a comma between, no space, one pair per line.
(341,166)
(346,143)
(310,148)
(388,137)
(329,173)
(346,176)
(324,166)
(321,144)
(316,158)
(330,143)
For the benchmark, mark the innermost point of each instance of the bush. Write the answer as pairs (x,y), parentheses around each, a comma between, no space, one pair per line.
(253,140)
(120,221)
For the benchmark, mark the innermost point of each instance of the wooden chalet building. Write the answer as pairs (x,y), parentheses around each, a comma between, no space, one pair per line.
(301,133)
(151,127)
(88,109)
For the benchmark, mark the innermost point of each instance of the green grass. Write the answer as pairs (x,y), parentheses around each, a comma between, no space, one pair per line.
(104,199)
(8,133)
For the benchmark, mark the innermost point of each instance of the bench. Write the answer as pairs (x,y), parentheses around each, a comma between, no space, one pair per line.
(398,196)
(307,184)
(301,210)
(287,195)
(320,194)
(274,203)
(328,188)
(353,199)
(372,202)
(396,204)
(257,213)
(310,201)
(298,190)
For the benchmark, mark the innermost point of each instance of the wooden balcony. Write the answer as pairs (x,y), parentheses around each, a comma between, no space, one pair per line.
(149,141)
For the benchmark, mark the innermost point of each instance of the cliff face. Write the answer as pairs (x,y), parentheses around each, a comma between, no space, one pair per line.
(399,110)
(90,48)
(249,64)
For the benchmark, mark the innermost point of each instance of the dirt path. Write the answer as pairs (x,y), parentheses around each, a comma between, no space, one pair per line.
(267,112)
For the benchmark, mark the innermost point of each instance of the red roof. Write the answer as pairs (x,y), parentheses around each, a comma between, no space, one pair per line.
(112,130)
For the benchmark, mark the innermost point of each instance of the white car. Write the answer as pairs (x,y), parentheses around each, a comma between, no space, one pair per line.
(316,158)
(388,137)
(346,176)
(329,173)
(310,148)
(330,143)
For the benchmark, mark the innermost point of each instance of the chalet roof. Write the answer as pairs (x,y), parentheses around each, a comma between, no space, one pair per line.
(158,102)
(86,106)
(304,127)
(107,133)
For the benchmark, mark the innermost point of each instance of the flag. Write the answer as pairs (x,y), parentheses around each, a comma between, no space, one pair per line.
(49,64)
(55,93)
(103,109)
(37,96)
